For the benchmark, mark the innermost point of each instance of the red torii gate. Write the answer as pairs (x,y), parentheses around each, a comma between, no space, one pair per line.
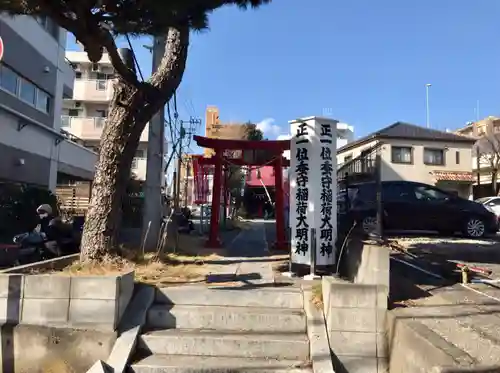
(275,148)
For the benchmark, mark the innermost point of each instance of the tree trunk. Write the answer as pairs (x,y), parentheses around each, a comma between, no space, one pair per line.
(130,109)
(119,142)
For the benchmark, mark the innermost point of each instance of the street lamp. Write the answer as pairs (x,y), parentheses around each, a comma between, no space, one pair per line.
(427,86)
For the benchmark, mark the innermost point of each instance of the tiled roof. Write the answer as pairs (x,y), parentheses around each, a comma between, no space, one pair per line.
(401,130)
(453,176)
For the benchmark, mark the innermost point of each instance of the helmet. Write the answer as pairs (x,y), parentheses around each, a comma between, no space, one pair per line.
(44,209)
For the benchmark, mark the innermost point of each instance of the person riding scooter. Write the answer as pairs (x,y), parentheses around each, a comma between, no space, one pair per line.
(58,238)
(47,226)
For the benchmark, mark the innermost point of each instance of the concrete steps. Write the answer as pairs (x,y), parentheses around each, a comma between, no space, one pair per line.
(474,331)
(196,329)
(229,344)
(209,364)
(458,335)
(278,297)
(255,319)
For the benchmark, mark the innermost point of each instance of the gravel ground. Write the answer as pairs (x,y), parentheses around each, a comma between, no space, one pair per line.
(483,253)
(466,317)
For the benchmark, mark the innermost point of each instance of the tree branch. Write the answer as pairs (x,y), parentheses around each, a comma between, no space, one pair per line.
(169,74)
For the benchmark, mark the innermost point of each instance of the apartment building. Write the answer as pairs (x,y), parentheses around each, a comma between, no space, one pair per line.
(84,113)
(215,128)
(486,153)
(413,153)
(34,78)
(487,126)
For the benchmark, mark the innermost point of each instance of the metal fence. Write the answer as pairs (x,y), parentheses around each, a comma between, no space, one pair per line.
(365,168)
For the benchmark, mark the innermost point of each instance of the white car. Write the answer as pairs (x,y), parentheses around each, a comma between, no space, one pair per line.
(491,203)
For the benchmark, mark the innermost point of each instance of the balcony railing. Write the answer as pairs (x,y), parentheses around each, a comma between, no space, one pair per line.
(96,122)
(365,164)
(87,128)
(93,90)
(90,128)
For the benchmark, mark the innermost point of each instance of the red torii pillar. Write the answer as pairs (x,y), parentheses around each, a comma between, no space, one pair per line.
(281,243)
(213,238)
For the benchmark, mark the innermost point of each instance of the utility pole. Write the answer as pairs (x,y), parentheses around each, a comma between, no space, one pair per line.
(192,122)
(428,119)
(155,174)
(186,182)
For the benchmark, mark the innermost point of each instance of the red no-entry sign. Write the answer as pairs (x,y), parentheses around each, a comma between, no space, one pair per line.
(1,48)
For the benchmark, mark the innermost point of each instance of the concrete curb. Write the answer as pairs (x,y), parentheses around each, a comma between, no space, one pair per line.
(411,340)
(319,346)
(130,328)
(55,264)
(99,367)
(466,370)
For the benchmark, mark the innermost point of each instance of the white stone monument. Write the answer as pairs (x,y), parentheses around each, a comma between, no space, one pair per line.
(313,190)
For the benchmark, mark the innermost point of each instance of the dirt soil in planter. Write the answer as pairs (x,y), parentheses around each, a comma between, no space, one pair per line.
(191,263)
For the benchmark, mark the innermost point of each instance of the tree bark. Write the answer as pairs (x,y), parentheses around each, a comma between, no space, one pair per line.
(130,109)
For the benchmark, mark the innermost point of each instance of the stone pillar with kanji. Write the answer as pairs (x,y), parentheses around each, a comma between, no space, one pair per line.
(313,190)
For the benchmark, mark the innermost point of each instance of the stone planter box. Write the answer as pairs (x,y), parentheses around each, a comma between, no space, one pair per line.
(60,300)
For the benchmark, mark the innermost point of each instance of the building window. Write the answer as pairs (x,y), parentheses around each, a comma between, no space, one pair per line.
(101,113)
(65,121)
(434,157)
(347,158)
(101,85)
(73,112)
(99,122)
(27,92)
(134,164)
(457,157)
(11,82)
(139,153)
(8,79)
(43,101)
(78,75)
(401,154)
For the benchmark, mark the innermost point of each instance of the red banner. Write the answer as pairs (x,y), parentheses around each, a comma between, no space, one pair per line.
(200,178)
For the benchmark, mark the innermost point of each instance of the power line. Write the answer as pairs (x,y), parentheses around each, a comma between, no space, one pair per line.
(134,57)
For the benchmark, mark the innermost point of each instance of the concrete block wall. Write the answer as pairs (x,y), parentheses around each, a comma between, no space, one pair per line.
(94,302)
(35,349)
(364,261)
(355,319)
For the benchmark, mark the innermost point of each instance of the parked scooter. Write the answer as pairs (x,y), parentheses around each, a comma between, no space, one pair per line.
(31,248)
(34,246)
(184,222)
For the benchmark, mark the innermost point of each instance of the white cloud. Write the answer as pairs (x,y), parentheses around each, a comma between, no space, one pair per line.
(284,137)
(268,128)
(286,153)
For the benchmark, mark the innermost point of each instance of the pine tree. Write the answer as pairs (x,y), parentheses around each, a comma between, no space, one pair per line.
(95,24)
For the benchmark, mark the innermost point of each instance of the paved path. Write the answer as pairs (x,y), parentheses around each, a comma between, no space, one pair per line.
(248,259)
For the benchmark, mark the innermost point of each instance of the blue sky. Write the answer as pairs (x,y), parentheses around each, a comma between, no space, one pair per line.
(362,62)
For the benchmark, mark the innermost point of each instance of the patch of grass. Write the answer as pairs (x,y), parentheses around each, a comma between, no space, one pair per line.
(148,269)
(189,264)
(317,296)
